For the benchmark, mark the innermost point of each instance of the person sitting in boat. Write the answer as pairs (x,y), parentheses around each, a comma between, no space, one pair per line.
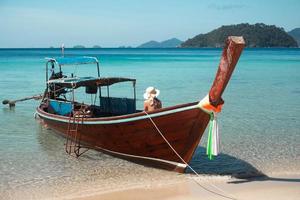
(151,101)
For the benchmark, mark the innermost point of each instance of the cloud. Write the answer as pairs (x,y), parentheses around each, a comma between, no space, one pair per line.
(226,6)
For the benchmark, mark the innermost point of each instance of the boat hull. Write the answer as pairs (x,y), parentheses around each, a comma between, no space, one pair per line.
(135,138)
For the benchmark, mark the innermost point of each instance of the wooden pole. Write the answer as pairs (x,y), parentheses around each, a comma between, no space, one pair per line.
(231,53)
(13,103)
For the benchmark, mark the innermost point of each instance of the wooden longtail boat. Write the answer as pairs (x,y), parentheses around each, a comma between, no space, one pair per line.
(116,127)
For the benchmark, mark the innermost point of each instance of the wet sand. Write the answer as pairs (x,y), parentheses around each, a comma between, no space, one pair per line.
(279,187)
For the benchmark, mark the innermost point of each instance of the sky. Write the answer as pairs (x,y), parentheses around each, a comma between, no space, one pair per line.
(114,23)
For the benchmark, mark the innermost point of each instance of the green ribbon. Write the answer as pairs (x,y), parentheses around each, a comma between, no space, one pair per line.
(209,146)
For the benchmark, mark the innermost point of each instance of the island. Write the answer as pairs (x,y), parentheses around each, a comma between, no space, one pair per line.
(295,33)
(171,43)
(255,35)
(78,47)
(96,47)
(125,47)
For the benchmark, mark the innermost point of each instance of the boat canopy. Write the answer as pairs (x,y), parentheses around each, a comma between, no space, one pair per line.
(73,60)
(77,82)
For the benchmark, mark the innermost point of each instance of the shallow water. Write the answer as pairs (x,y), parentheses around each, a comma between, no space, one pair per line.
(259,124)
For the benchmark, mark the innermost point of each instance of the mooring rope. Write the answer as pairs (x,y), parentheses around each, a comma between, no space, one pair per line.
(198,183)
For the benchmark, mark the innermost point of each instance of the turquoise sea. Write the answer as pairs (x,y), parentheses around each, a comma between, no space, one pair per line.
(259,125)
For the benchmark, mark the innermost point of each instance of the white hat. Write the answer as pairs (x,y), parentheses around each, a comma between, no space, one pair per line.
(151,92)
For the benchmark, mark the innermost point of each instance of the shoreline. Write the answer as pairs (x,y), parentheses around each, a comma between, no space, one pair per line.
(279,187)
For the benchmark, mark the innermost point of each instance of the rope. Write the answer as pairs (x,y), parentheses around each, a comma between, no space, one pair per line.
(198,183)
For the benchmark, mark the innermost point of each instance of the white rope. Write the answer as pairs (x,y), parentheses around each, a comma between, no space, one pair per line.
(198,183)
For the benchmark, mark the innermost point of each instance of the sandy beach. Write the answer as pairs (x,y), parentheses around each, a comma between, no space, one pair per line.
(279,187)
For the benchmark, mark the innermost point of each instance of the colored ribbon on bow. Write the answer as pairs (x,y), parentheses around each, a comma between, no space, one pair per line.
(213,140)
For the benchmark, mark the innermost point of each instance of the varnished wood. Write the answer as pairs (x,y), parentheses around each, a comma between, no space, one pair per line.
(140,138)
(230,56)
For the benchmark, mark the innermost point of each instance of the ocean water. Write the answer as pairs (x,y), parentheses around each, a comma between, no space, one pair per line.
(259,124)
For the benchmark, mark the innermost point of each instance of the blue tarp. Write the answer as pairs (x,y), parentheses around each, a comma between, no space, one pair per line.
(60,107)
(73,60)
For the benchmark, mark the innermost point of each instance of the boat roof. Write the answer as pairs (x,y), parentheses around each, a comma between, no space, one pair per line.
(76,82)
(73,60)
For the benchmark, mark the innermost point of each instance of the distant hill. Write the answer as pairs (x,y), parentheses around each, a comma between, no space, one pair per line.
(79,47)
(256,35)
(171,43)
(96,47)
(295,33)
(150,44)
(124,47)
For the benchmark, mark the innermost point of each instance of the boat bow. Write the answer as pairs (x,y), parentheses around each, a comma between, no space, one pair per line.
(234,46)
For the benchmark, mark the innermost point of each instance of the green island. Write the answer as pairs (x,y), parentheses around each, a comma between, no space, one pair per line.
(256,35)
